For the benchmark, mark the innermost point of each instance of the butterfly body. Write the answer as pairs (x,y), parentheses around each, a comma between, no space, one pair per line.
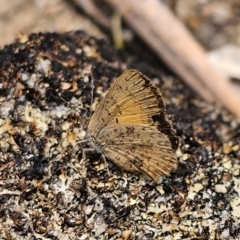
(130,128)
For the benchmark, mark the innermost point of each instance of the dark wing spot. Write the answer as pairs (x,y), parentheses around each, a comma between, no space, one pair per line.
(130,130)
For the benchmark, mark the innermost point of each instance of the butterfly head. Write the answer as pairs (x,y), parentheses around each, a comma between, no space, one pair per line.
(93,144)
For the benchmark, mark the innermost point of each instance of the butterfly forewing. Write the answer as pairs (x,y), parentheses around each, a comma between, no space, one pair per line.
(130,98)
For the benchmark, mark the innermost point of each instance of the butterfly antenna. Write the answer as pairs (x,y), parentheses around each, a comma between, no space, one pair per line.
(92,86)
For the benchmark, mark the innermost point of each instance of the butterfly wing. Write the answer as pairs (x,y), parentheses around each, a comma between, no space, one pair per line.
(132,99)
(137,148)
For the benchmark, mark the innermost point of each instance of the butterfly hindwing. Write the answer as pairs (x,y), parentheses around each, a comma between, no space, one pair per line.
(137,148)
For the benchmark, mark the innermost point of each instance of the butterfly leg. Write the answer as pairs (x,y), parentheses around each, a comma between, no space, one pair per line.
(85,150)
(106,164)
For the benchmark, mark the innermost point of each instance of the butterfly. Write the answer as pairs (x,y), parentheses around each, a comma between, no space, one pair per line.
(130,127)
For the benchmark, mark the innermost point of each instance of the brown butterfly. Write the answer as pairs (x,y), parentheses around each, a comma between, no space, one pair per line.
(130,127)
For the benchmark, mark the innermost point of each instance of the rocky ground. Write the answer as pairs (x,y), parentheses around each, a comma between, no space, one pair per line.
(47,189)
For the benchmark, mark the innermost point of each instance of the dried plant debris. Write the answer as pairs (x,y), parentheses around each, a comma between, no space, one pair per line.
(49,191)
